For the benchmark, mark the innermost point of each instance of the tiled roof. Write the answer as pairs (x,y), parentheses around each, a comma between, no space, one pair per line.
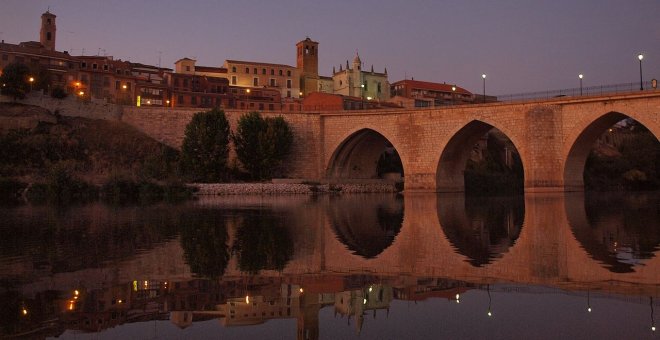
(425,85)
(33,48)
(210,69)
(243,62)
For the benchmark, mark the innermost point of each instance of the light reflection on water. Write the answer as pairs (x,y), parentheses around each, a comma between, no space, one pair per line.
(373,266)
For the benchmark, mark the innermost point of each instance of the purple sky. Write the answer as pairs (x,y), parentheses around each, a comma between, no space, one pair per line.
(522,45)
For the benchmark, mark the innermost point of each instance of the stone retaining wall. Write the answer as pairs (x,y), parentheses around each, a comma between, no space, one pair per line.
(289,189)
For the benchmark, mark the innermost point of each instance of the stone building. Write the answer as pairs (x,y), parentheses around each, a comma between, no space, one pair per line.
(103,77)
(356,82)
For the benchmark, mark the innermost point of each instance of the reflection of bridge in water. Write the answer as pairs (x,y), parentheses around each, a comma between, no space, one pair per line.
(562,242)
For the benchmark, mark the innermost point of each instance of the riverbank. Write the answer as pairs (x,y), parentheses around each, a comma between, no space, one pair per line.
(219,189)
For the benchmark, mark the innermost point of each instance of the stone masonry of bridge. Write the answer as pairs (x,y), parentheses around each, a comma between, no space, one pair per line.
(553,138)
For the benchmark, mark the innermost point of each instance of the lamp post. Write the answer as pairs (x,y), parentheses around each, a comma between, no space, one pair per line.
(641,82)
(362,95)
(580,76)
(483,76)
(31,80)
(453,95)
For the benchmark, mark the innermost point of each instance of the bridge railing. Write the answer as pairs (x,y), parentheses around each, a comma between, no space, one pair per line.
(575,92)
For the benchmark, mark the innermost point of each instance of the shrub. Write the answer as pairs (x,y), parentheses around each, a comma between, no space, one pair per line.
(58,93)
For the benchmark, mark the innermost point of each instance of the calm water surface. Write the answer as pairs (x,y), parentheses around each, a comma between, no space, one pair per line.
(335,267)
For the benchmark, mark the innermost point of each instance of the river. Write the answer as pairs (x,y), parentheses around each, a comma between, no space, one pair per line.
(420,266)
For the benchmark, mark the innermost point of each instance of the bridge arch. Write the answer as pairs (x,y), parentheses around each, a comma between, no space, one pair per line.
(455,154)
(357,155)
(581,142)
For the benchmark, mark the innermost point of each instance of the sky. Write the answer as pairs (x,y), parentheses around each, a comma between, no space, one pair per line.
(521,45)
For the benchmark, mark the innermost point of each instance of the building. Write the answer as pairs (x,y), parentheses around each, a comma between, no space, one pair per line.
(103,77)
(150,87)
(319,101)
(354,81)
(248,74)
(48,67)
(414,93)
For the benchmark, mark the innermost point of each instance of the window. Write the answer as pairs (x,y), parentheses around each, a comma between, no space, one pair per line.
(187,68)
(288,83)
(273,82)
(247,70)
(49,36)
(379,87)
(272,72)
(94,66)
(288,73)
(255,81)
(83,65)
(263,71)
(180,100)
(288,94)
(255,70)
(280,73)
(105,67)
(118,71)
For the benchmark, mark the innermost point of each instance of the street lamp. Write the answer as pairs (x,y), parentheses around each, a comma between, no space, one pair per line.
(453,94)
(580,76)
(641,83)
(483,76)
(31,80)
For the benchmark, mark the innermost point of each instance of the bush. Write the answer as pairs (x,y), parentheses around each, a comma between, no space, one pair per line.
(206,147)
(10,190)
(262,144)
(61,187)
(58,93)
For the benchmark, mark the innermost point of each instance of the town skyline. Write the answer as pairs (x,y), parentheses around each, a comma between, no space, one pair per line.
(537,53)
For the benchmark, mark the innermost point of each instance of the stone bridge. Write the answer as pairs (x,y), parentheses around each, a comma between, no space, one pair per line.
(552,137)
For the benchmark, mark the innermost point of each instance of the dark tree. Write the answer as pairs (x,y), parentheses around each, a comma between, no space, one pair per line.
(262,242)
(262,144)
(14,80)
(205,147)
(204,242)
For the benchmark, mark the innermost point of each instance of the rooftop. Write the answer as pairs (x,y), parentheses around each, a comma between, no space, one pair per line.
(244,62)
(425,85)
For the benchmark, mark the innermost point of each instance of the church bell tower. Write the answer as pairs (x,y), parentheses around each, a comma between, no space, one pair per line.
(307,63)
(47,33)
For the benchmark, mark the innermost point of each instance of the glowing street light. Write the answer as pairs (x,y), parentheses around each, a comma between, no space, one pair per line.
(580,76)
(483,76)
(31,80)
(641,82)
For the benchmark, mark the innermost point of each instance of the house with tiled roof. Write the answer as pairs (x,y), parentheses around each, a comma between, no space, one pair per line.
(415,93)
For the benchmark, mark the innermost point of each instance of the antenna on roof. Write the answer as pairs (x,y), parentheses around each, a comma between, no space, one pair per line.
(159,54)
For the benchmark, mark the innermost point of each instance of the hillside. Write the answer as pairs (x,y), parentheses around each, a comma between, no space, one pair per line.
(33,141)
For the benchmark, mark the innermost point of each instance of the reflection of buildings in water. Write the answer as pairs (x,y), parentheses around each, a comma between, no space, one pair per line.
(621,233)
(483,228)
(356,303)
(367,226)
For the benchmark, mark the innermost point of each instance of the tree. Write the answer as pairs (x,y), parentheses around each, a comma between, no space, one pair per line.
(262,242)
(14,80)
(204,241)
(205,147)
(262,144)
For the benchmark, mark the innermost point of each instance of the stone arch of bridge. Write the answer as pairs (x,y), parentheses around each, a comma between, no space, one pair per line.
(582,139)
(357,155)
(454,156)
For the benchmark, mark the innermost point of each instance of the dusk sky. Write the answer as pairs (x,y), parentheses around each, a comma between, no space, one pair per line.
(522,45)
